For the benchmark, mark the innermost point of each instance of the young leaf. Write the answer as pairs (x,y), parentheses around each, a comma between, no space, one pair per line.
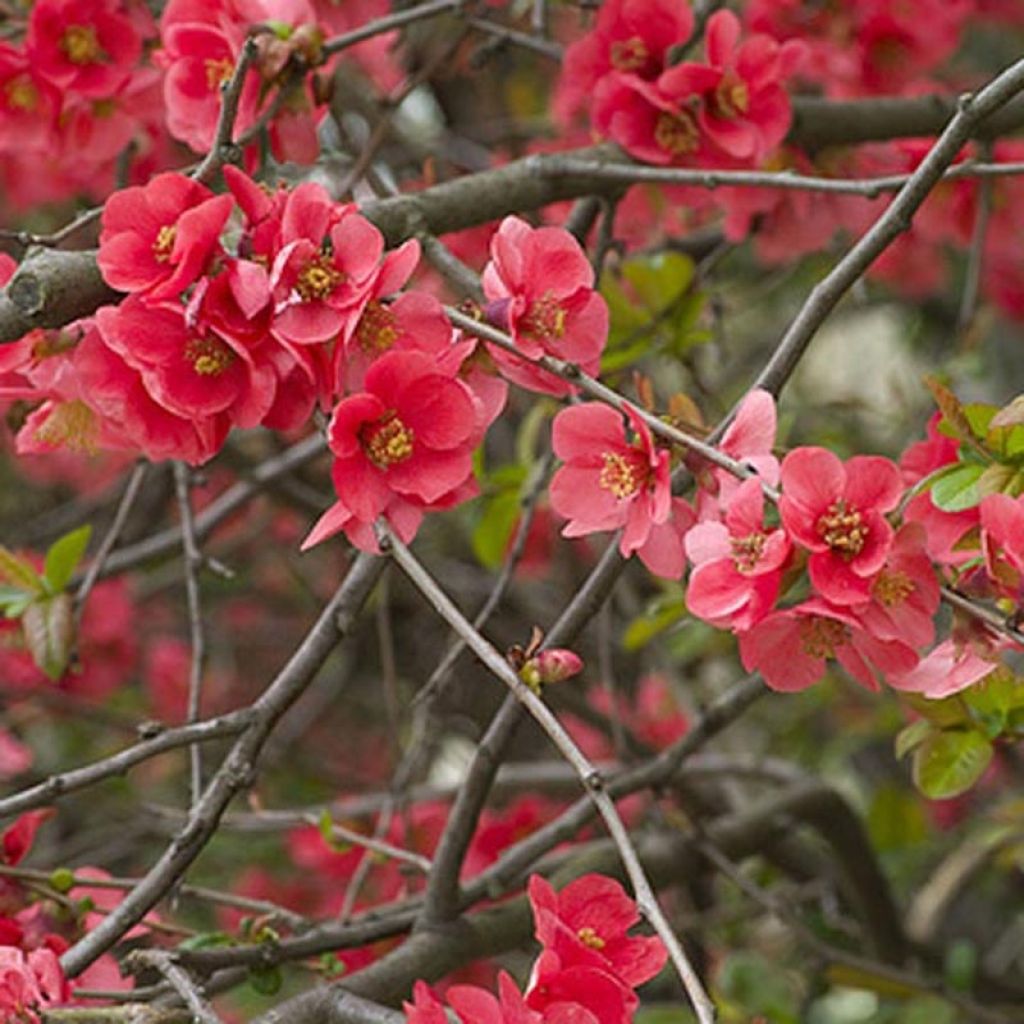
(951,762)
(63,557)
(958,490)
(911,736)
(49,627)
(18,572)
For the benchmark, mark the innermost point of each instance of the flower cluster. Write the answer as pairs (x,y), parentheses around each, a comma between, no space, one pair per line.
(730,108)
(587,969)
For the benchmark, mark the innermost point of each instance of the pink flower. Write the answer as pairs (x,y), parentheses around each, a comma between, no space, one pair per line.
(191,370)
(554,665)
(587,923)
(790,648)
(1002,543)
(17,839)
(323,274)
(744,110)
(29,104)
(630,36)
(578,994)
(749,439)
(607,481)
(541,289)
(663,552)
(737,564)
(425,1007)
(160,237)
(477,1006)
(83,46)
(28,983)
(951,667)
(409,436)
(837,512)
(905,593)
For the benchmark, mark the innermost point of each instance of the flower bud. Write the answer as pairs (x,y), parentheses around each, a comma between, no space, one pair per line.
(551,666)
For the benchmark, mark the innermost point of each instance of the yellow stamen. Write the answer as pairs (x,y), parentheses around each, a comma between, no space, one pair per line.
(318,278)
(164,243)
(387,441)
(208,356)
(80,45)
(843,529)
(676,133)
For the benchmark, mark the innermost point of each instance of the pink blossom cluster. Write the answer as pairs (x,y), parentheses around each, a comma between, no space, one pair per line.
(35,931)
(586,972)
(826,576)
(730,108)
(75,91)
(201,45)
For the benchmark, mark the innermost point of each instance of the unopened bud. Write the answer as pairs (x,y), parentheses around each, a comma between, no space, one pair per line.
(551,666)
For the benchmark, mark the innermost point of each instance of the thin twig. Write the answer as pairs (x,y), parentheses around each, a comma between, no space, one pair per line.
(192,562)
(178,978)
(591,779)
(124,508)
(231,94)
(391,21)
(976,252)
(545,47)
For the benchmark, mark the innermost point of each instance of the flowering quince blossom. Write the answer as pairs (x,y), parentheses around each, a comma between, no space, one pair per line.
(410,434)
(324,271)
(28,983)
(837,512)
(744,111)
(738,563)
(609,482)
(85,46)
(790,648)
(630,36)
(586,924)
(159,238)
(540,288)
(1002,543)
(748,439)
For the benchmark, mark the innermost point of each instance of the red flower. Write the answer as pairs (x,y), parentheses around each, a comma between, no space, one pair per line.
(608,482)
(160,237)
(29,104)
(323,274)
(541,289)
(29,982)
(744,110)
(738,563)
(586,925)
(837,512)
(631,36)
(790,648)
(477,1006)
(410,435)
(83,46)
(1002,543)
(577,994)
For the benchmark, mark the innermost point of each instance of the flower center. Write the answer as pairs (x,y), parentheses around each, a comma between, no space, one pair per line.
(378,328)
(386,441)
(732,98)
(80,45)
(676,133)
(218,71)
(21,93)
(590,938)
(892,587)
(623,475)
(843,529)
(544,319)
(629,54)
(747,551)
(164,243)
(71,425)
(208,356)
(318,278)
(820,637)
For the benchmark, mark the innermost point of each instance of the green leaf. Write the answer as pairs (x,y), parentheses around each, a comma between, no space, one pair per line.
(49,627)
(912,736)
(951,762)
(492,533)
(18,572)
(643,629)
(63,557)
(945,713)
(958,489)
(660,279)
(206,940)
(265,980)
